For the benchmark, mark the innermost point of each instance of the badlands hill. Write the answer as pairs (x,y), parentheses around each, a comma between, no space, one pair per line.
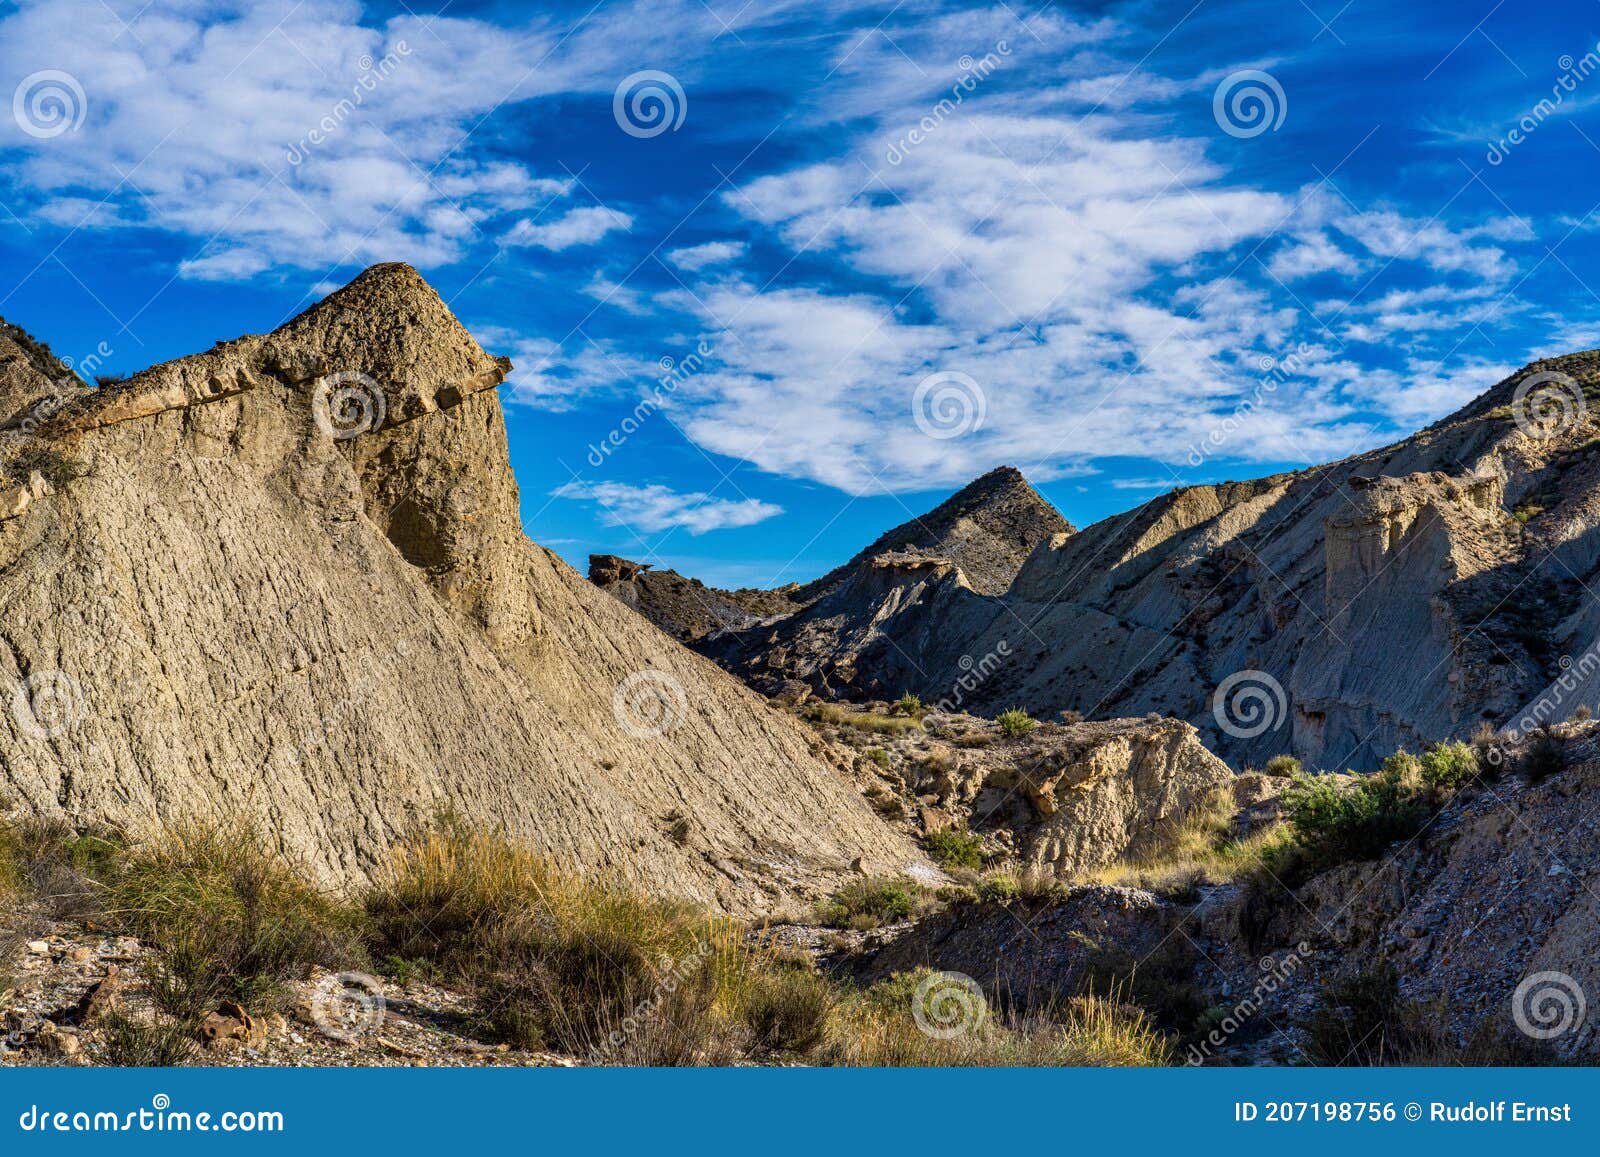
(815,633)
(285,579)
(1393,598)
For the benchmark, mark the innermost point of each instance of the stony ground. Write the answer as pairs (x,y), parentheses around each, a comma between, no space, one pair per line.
(49,1016)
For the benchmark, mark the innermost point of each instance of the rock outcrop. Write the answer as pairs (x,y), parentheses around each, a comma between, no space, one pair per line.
(824,632)
(1397,597)
(685,608)
(285,580)
(1061,800)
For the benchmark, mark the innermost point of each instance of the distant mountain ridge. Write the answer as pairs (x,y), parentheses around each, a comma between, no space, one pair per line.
(983,533)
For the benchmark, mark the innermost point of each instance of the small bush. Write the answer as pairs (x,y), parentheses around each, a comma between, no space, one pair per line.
(865,904)
(787,1010)
(1583,713)
(909,704)
(1449,766)
(999,888)
(1015,723)
(1545,755)
(228,917)
(879,756)
(132,1042)
(1340,822)
(1283,767)
(1362,1021)
(955,848)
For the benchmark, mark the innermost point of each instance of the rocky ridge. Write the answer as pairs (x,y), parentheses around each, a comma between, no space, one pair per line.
(285,580)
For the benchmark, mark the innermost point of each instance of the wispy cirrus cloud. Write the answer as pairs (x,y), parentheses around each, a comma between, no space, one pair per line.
(653,508)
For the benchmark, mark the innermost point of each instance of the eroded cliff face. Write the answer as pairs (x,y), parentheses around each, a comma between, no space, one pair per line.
(1394,598)
(1061,800)
(285,580)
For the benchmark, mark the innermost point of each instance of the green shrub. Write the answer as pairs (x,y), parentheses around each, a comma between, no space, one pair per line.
(864,904)
(879,756)
(999,888)
(955,848)
(1448,766)
(1015,722)
(132,1042)
(228,917)
(909,704)
(1283,767)
(1339,822)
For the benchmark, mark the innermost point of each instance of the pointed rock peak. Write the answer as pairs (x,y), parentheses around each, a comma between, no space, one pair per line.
(391,326)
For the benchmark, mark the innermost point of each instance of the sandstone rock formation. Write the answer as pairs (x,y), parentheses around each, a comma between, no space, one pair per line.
(286,580)
(685,608)
(1060,800)
(1394,598)
(821,632)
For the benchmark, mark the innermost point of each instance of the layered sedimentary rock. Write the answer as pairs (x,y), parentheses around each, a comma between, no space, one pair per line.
(1394,598)
(285,580)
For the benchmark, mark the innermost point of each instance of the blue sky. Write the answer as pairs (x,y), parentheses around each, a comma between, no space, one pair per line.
(873,250)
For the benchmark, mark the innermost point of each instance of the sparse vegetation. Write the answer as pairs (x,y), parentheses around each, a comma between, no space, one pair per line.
(228,916)
(1282,767)
(1015,723)
(878,756)
(865,904)
(879,1027)
(1201,849)
(909,704)
(955,847)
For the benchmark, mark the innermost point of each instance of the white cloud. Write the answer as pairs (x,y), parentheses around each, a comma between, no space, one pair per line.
(653,508)
(697,257)
(583,226)
(279,134)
